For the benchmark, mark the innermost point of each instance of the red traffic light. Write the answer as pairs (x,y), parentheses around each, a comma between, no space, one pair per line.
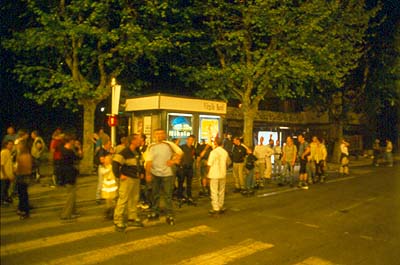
(112,120)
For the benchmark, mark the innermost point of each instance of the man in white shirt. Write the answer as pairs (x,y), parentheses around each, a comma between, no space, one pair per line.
(218,161)
(159,161)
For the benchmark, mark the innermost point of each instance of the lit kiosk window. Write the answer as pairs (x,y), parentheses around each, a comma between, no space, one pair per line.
(209,127)
(180,125)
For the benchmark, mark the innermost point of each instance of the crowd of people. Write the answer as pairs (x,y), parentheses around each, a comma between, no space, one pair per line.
(135,175)
(21,156)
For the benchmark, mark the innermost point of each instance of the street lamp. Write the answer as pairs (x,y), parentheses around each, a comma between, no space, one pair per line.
(112,119)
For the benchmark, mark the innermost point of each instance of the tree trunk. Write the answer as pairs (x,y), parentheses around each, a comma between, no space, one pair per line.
(248,122)
(338,132)
(86,166)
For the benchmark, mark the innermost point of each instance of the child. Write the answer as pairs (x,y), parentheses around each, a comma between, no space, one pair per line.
(109,187)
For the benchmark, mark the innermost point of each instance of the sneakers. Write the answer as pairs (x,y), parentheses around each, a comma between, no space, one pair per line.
(170,220)
(304,187)
(24,216)
(213,212)
(153,217)
(248,192)
(190,201)
(135,223)
(143,206)
(120,228)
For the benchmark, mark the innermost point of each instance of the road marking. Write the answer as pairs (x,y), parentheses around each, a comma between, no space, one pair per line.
(308,225)
(314,261)
(43,225)
(104,254)
(228,254)
(276,192)
(340,179)
(52,241)
(355,205)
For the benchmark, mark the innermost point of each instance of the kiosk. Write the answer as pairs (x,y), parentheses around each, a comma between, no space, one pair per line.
(178,116)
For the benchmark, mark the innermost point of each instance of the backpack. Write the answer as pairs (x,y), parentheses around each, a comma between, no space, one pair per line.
(250,159)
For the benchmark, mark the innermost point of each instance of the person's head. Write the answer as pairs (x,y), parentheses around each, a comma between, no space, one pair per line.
(190,140)
(8,145)
(160,135)
(261,140)
(69,140)
(23,134)
(277,142)
(142,139)
(300,138)
(34,134)
(134,141)
(271,142)
(57,134)
(11,130)
(124,140)
(217,142)
(289,140)
(107,160)
(236,140)
(107,144)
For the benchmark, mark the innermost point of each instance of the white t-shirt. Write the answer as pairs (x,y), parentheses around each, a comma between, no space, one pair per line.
(159,154)
(218,161)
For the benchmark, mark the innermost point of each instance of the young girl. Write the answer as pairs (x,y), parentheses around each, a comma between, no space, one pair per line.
(109,188)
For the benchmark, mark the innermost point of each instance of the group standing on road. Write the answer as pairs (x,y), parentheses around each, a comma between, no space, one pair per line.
(136,174)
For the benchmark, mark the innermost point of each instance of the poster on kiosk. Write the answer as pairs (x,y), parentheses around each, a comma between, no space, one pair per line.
(180,125)
(209,128)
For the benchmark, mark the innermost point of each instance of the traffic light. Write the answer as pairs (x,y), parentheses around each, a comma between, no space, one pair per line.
(112,120)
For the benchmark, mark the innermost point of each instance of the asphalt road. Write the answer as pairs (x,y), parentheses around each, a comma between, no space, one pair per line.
(348,220)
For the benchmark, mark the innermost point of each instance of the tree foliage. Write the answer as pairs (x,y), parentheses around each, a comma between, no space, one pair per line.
(283,48)
(72,49)
(69,50)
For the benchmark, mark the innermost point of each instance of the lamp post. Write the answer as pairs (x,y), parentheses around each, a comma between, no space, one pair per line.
(112,119)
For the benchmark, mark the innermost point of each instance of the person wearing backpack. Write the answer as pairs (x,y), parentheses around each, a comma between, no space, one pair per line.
(250,181)
(161,157)
(37,150)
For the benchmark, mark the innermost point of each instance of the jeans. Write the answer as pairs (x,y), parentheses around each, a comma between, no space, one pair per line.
(250,179)
(288,172)
(5,185)
(22,188)
(162,185)
(277,166)
(182,173)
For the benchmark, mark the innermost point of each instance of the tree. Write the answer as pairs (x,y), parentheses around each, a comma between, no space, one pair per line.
(284,48)
(70,50)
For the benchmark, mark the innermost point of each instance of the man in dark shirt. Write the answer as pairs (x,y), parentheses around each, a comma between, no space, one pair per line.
(239,153)
(126,167)
(185,169)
